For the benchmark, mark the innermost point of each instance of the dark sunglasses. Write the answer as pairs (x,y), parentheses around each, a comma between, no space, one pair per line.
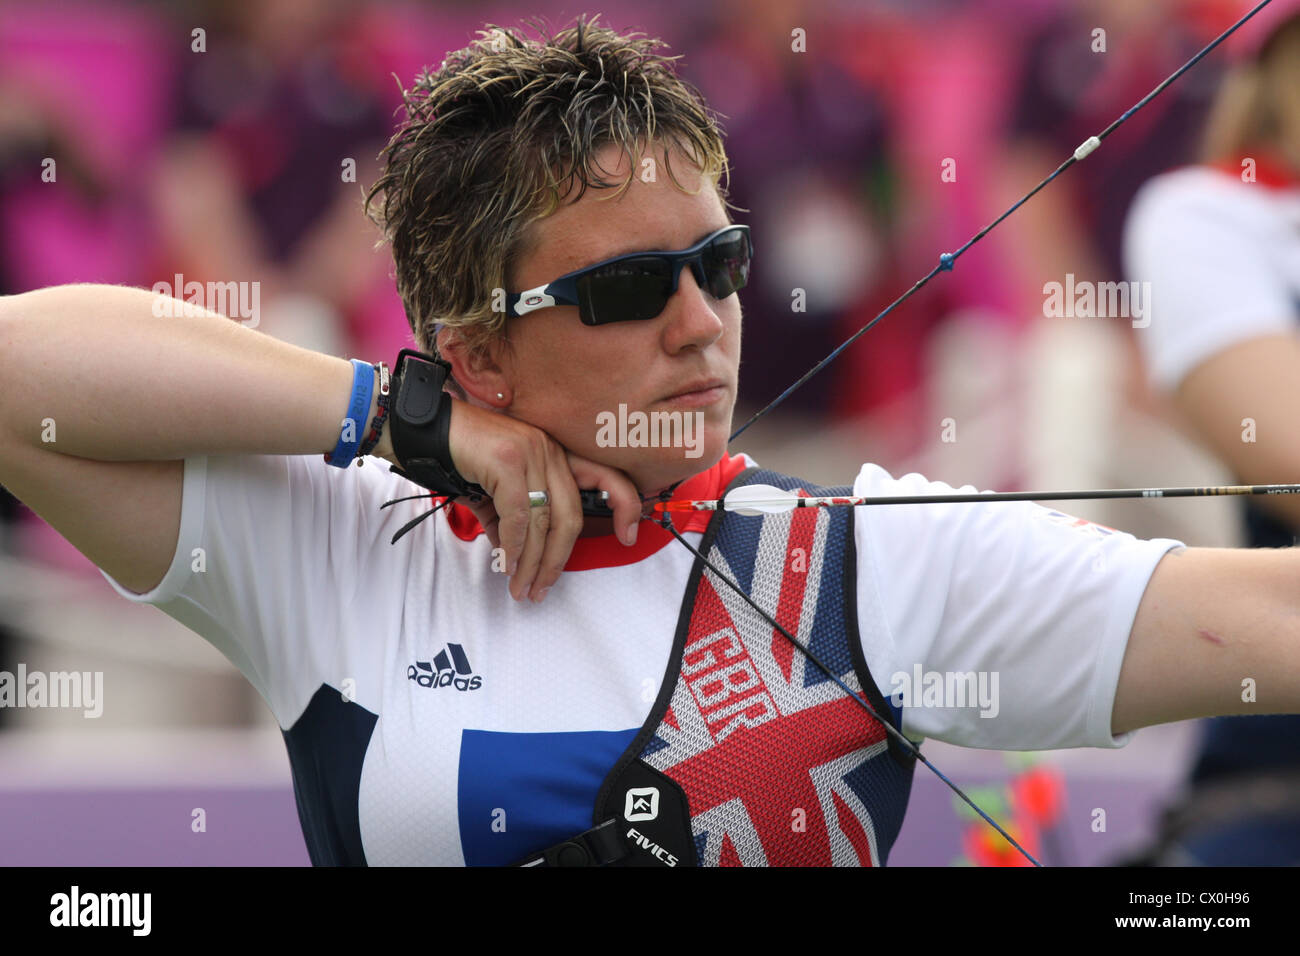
(638,285)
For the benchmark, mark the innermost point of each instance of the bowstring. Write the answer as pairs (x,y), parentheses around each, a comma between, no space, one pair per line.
(946,262)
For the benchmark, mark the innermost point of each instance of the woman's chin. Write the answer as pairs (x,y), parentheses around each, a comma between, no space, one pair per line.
(653,469)
(654,475)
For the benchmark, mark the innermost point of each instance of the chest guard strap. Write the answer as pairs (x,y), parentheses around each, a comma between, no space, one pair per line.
(751,755)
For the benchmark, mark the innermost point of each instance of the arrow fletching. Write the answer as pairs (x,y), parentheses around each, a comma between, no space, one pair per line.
(759,500)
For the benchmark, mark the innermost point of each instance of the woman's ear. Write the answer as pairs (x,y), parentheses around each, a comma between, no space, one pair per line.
(477,372)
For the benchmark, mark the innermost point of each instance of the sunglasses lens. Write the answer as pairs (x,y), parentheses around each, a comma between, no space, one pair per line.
(639,289)
(634,289)
(726,263)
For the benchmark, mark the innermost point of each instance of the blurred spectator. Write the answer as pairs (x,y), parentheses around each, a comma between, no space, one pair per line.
(1075,81)
(81,114)
(253,186)
(70,182)
(806,139)
(943,71)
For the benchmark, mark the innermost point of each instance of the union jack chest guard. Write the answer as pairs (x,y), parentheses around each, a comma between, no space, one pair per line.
(751,755)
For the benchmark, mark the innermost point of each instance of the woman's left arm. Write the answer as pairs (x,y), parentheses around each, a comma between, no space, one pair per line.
(1217,632)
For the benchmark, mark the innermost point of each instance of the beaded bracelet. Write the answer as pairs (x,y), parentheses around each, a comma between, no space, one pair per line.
(381,415)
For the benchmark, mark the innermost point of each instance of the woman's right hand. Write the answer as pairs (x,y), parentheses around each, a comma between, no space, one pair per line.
(510,458)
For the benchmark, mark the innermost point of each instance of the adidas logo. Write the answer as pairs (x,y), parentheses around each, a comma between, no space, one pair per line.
(446,671)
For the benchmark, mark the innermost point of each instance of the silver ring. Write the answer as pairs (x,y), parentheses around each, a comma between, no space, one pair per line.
(538,499)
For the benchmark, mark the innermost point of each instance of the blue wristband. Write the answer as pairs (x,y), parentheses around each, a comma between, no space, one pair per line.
(353,431)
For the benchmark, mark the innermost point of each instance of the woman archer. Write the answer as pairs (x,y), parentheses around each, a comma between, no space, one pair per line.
(520,682)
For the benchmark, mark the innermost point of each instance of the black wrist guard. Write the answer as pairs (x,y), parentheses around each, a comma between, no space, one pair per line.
(419,424)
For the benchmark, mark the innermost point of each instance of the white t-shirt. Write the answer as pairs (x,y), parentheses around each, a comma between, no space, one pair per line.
(530,705)
(1223,260)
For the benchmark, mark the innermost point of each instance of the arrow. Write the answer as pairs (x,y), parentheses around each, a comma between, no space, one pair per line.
(766,499)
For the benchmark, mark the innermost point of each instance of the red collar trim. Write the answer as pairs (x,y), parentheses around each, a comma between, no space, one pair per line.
(1270,170)
(606,551)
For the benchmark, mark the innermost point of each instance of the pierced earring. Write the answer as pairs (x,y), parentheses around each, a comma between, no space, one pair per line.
(500,396)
